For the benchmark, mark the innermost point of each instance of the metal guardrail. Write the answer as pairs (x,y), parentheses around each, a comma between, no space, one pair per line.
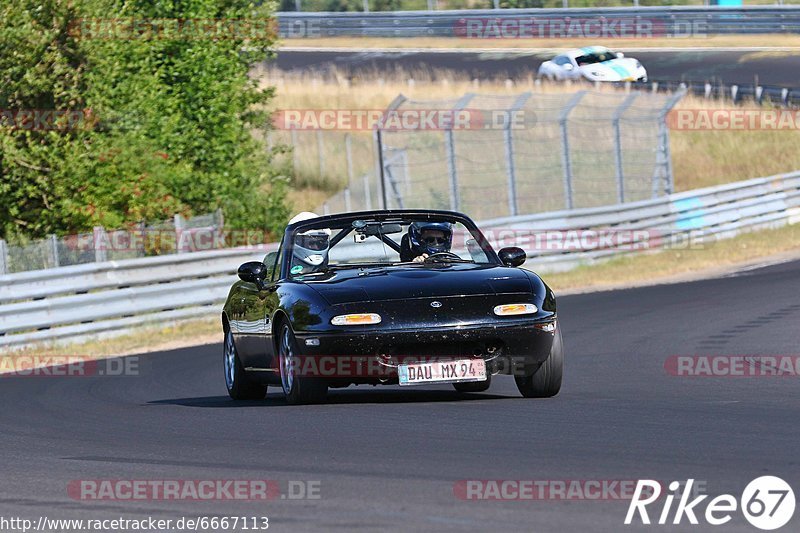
(93,299)
(664,21)
(720,212)
(735,92)
(72,303)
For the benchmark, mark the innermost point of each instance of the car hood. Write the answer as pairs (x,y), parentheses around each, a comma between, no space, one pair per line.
(391,283)
(619,69)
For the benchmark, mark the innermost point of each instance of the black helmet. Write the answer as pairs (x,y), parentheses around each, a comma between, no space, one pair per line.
(430,245)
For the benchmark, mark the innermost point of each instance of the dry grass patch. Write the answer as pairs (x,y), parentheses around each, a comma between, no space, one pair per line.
(669,265)
(142,340)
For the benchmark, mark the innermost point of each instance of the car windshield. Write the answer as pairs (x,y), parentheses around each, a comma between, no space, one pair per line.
(595,57)
(423,242)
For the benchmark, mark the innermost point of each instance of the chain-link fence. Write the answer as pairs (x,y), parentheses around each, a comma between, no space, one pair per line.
(522,154)
(178,235)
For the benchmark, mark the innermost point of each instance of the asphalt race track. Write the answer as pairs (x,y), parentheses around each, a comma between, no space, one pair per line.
(388,458)
(771,68)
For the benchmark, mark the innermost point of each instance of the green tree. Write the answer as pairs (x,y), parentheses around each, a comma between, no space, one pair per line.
(168,121)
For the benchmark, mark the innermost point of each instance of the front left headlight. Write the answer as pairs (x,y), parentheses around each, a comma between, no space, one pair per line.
(515,309)
(356,319)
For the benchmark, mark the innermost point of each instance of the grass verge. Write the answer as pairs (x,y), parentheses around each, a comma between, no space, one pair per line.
(664,266)
(142,340)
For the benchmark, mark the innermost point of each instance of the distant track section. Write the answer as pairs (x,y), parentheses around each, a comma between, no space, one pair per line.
(727,66)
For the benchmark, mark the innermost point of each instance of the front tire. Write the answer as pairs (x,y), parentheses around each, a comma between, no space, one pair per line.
(297,389)
(236,380)
(546,381)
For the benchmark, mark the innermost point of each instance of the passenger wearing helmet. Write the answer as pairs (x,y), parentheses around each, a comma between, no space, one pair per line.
(425,239)
(310,248)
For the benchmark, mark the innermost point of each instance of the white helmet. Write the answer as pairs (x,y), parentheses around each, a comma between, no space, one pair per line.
(311,247)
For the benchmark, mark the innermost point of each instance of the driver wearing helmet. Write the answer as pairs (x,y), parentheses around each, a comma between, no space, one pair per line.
(425,239)
(310,248)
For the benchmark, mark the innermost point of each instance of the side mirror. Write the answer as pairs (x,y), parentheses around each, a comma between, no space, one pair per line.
(253,272)
(620,55)
(568,66)
(512,256)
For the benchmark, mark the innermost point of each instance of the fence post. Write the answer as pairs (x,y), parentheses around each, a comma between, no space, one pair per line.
(367,193)
(294,150)
(179,224)
(143,240)
(219,230)
(618,146)
(100,239)
(347,201)
(450,150)
(348,152)
(509,146)
(366,6)
(451,168)
(378,140)
(663,153)
(406,173)
(3,257)
(297,5)
(565,154)
(320,154)
(52,242)
(381,171)
(390,180)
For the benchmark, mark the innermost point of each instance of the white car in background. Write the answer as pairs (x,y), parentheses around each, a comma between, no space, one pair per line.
(593,63)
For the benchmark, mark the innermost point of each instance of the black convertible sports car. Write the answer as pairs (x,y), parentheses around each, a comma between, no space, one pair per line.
(347,300)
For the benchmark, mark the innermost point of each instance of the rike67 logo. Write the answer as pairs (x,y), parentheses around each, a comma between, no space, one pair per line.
(767,503)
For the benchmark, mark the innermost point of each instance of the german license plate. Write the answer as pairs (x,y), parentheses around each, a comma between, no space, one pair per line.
(442,372)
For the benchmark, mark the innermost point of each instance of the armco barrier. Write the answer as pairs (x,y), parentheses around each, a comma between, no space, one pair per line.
(72,303)
(671,21)
(98,298)
(718,212)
